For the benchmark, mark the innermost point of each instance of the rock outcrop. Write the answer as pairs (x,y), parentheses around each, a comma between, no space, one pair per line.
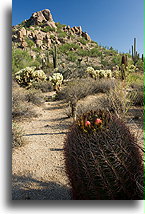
(41,17)
(36,30)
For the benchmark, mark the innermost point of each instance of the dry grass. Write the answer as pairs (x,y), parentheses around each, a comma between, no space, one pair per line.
(21,105)
(17,133)
(81,88)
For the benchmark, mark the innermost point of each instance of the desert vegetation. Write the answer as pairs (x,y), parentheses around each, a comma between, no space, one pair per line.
(98,95)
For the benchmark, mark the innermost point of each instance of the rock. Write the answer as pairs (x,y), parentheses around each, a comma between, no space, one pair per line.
(41,17)
(86,36)
(50,24)
(22,33)
(39,35)
(76,30)
(23,44)
(39,43)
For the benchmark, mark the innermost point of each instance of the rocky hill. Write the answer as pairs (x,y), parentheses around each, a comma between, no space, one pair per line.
(40,28)
(40,34)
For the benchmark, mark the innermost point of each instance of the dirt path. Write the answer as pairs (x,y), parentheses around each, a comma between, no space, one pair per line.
(38,167)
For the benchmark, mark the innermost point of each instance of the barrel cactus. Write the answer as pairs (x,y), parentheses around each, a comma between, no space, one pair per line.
(102,159)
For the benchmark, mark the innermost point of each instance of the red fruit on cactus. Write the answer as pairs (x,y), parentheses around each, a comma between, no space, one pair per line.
(98,121)
(87,123)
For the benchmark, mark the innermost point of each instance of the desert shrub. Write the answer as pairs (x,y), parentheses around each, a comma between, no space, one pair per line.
(48,29)
(68,46)
(94,52)
(140,65)
(62,34)
(27,75)
(82,52)
(138,100)
(37,49)
(44,86)
(116,60)
(52,36)
(21,109)
(134,78)
(138,92)
(83,41)
(118,100)
(102,159)
(30,42)
(22,59)
(59,26)
(72,57)
(34,96)
(105,63)
(17,135)
(83,87)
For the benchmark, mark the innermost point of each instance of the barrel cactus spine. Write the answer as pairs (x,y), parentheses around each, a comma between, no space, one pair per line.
(102,159)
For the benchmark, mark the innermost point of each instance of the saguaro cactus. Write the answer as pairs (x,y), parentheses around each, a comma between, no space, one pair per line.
(135,55)
(54,57)
(123,66)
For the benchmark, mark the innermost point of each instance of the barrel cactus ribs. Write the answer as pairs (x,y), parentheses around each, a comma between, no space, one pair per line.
(102,159)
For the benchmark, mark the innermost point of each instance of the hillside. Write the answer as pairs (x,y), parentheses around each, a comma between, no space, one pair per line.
(38,35)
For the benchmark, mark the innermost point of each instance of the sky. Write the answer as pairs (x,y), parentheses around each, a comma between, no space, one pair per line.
(109,22)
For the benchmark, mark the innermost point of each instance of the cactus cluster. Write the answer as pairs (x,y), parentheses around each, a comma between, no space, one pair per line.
(102,159)
(98,73)
(28,75)
(131,68)
(56,79)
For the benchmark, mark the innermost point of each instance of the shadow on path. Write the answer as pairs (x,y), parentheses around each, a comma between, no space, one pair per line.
(56,133)
(40,190)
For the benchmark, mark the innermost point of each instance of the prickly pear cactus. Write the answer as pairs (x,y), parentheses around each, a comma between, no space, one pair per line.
(102,159)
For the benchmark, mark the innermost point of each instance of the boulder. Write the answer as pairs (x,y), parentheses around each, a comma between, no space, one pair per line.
(22,32)
(23,44)
(86,36)
(39,43)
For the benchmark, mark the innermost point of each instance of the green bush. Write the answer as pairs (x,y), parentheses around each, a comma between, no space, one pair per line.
(30,42)
(72,57)
(59,26)
(83,41)
(67,47)
(52,36)
(22,59)
(62,34)
(82,52)
(140,65)
(48,29)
